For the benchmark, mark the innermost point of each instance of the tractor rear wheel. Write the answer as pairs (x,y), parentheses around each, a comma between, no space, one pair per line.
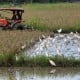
(19,26)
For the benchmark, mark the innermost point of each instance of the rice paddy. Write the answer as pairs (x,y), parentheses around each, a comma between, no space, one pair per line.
(53,16)
(45,18)
(12,41)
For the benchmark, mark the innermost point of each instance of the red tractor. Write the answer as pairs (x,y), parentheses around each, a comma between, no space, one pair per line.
(15,22)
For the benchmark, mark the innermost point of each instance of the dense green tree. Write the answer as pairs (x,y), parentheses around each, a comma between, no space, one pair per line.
(40,1)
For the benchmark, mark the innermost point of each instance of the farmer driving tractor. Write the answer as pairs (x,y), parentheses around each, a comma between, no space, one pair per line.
(17,15)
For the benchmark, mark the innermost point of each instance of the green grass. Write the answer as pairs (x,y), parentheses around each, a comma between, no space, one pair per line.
(37,61)
(36,23)
(51,6)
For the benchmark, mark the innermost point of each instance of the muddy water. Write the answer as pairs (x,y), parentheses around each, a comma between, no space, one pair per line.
(39,73)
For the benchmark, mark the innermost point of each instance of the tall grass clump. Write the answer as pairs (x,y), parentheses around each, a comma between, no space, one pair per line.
(41,60)
(35,61)
(62,61)
(37,24)
(7,60)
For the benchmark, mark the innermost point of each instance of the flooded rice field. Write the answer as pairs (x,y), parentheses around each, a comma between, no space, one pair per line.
(39,73)
(60,44)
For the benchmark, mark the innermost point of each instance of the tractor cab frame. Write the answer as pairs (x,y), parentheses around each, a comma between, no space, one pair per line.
(15,22)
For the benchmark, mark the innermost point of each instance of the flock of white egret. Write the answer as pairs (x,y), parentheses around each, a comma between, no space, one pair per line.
(61,44)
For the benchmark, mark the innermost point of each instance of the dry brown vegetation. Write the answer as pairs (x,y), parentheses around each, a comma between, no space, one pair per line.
(11,41)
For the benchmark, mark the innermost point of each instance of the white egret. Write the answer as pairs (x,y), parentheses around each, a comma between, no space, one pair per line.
(59,30)
(65,39)
(71,33)
(23,47)
(78,49)
(61,36)
(43,36)
(76,32)
(58,47)
(53,40)
(68,37)
(58,52)
(40,40)
(17,57)
(77,36)
(52,62)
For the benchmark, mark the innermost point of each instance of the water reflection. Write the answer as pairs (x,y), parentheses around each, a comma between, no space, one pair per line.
(39,74)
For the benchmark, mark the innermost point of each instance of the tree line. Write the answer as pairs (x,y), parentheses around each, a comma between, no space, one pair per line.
(36,1)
